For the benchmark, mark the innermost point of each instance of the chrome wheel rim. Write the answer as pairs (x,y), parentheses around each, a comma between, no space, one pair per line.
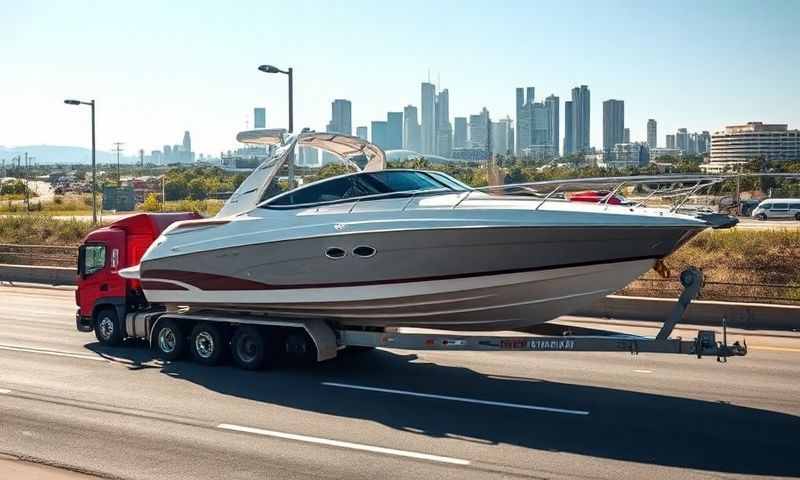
(204,344)
(106,327)
(167,340)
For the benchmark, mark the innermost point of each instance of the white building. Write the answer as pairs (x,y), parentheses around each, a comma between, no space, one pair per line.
(754,140)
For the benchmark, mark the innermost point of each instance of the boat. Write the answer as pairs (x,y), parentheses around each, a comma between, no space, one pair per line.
(386,248)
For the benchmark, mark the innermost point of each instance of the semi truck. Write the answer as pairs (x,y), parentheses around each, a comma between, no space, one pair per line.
(116,309)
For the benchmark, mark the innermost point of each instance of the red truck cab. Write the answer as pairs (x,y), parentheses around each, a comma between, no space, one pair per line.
(103,297)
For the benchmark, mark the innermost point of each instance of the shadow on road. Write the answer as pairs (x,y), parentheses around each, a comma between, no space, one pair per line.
(623,425)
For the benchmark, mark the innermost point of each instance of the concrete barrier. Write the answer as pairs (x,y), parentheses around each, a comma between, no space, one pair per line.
(750,316)
(37,274)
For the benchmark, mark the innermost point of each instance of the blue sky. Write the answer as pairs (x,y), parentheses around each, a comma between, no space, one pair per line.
(157,68)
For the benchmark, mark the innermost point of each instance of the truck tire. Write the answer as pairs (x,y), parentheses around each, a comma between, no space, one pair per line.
(207,344)
(107,327)
(169,340)
(249,348)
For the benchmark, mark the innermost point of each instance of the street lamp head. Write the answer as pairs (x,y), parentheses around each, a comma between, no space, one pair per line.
(72,102)
(269,69)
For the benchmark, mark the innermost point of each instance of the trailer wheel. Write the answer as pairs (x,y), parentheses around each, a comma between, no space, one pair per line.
(207,344)
(170,342)
(107,328)
(248,348)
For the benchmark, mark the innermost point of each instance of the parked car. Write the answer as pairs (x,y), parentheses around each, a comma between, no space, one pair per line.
(777,208)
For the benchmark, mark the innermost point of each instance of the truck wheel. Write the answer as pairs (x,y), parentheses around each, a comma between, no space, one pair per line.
(248,348)
(207,344)
(107,328)
(169,340)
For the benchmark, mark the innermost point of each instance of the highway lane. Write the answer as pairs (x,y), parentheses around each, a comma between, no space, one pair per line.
(66,400)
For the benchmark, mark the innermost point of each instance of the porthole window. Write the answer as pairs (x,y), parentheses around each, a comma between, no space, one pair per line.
(364,251)
(335,252)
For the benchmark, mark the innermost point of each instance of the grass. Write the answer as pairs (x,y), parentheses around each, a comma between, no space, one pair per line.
(60,205)
(731,259)
(42,230)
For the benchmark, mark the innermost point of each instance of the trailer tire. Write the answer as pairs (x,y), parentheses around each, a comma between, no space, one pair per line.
(249,348)
(107,327)
(169,340)
(207,344)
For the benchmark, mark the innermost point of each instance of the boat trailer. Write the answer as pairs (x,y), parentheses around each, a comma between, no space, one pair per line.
(705,344)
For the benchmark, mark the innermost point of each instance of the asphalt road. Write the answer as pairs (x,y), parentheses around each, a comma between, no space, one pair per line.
(67,401)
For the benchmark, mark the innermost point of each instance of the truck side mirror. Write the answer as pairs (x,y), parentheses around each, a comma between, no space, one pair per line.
(81,260)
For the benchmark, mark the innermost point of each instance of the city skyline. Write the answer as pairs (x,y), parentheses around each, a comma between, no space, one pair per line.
(213,92)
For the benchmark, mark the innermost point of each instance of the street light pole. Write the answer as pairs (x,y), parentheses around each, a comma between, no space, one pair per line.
(94,160)
(289,73)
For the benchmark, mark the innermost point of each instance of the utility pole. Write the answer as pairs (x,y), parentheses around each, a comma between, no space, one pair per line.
(141,158)
(118,149)
(27,188)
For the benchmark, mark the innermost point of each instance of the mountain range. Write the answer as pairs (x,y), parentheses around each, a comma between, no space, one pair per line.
(58,154)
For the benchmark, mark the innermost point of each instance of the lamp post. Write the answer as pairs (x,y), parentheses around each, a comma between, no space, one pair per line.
(94,164)
(288,72)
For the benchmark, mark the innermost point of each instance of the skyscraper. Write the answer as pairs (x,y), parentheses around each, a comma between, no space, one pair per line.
(361,132)
(541,137)
(379,134)
(460,132)
(187,142)
(652,134)
(479,129)
(428,120)
(444,131)
(394,130)
(682,140)
(581,124)
(613,124)
(411,131)
(626,135)
(525,98)
(568,132)
(670,141)
(259,117)
(341,117)
(552,102)
(502,136)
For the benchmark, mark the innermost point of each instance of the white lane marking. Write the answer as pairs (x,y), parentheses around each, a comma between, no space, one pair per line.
(3,391)
(341,444)
(20,348)
(643,371)
(459,399)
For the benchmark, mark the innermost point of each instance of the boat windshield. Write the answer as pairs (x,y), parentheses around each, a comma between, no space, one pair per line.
(366,184)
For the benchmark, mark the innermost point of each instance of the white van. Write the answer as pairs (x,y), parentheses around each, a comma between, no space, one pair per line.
(777,208)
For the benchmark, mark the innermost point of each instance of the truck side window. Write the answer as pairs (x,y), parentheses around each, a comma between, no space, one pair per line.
(94,259)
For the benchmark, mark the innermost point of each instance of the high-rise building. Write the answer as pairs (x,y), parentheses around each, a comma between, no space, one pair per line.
(479,129)
(541,127)
(525,99)
(613,124)
(755,140)
(502,136)
(568,132)
(394,130)
(682,140)
(428,118)
(626,135)
(552,102)
(361,132)
(259,117)
(341,117)
(581,123)
(379,134)
(671,141)
(187,142)
(652,134)
(444,131)
(411,130)
(308,157)
(460,132)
